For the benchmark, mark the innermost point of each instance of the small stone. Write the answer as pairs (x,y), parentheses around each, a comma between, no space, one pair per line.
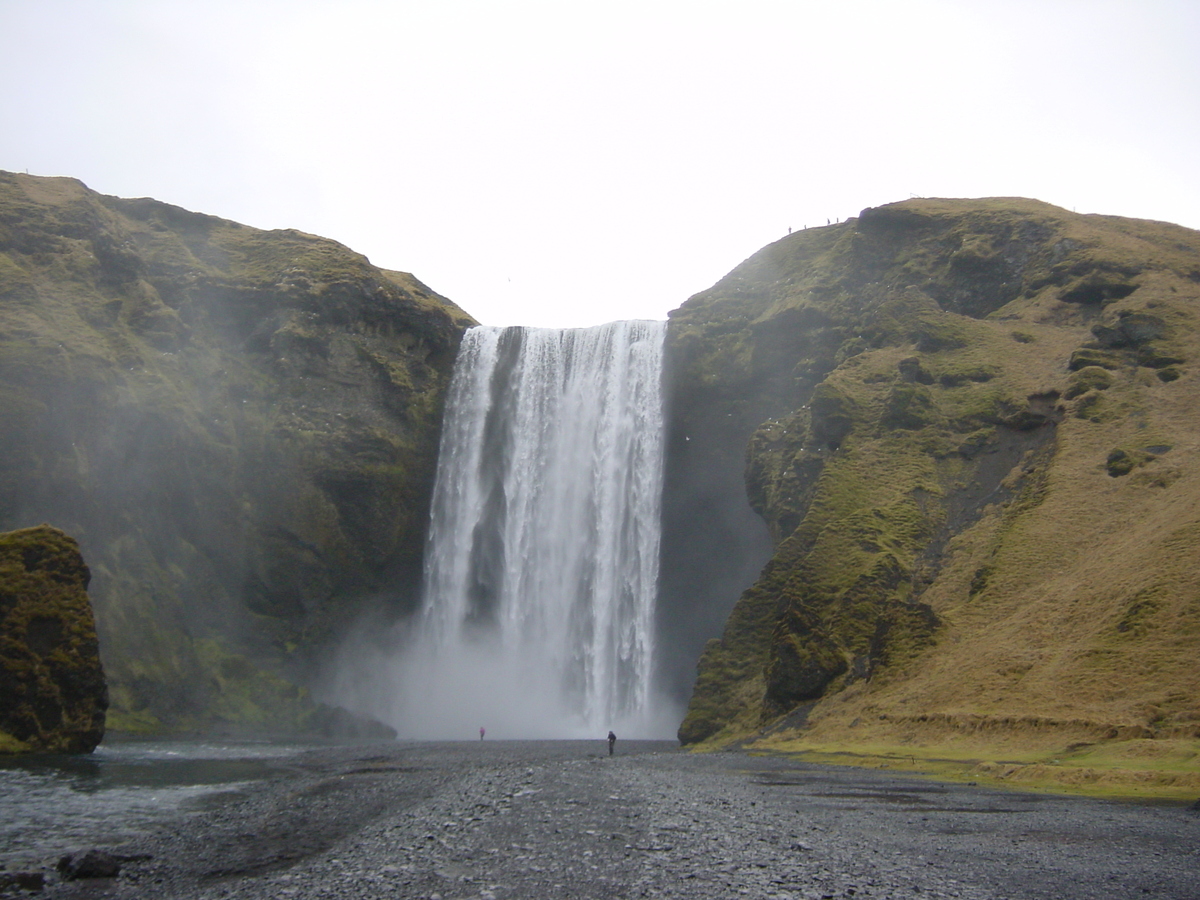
(23,881)
(93,864)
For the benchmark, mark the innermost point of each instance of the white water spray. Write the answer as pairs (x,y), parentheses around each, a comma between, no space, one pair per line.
(542,564)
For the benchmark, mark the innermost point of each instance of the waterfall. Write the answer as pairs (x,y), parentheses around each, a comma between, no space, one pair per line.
(542,563)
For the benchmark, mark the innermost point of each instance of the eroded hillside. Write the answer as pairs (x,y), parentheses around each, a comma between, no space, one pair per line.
(239,426)
(978,466)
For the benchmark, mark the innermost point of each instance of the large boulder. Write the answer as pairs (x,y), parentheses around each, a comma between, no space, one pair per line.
(52,690)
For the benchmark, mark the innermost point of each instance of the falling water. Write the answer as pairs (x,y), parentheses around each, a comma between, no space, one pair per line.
(542,563)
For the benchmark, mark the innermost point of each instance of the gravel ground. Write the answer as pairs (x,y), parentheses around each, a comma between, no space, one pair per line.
(561,819)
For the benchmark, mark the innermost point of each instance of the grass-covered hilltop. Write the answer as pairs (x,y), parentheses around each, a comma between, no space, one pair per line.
(238,426)
(973,430)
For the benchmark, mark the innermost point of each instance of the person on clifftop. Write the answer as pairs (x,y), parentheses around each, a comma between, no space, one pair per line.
(612,739)
(482,731)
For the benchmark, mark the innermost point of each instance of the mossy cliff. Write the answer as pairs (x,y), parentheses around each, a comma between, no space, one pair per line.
(972,429)
(239,426)
(52,690)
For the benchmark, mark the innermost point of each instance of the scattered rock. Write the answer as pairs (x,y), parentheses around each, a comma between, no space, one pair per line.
(1130,330)
(92,864)
(22,881)
(1119,463)
(1122,462)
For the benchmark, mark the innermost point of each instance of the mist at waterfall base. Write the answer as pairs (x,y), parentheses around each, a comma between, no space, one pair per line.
(541,568)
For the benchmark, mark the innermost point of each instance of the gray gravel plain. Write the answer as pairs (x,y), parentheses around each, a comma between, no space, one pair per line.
(561,819)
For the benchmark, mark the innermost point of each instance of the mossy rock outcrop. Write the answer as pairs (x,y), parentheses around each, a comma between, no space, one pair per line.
(239,426)
(53,695)
(959,406)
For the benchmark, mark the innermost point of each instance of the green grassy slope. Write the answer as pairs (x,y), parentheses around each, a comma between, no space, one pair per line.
(982,482)
(238,425)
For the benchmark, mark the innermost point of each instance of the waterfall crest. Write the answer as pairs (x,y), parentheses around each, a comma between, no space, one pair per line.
(542,563)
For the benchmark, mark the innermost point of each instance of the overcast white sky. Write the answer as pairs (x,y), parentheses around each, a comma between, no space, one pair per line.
(566,163)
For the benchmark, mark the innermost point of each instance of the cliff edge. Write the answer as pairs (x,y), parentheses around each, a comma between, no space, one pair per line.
(972,429)
(239,426)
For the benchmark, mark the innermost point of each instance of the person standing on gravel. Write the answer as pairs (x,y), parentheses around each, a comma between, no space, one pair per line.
(612,739)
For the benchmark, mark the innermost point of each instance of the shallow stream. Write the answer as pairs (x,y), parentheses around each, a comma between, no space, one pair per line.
(53,804)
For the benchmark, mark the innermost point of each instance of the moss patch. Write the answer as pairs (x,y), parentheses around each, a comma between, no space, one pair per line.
(52,690)
(1089,378)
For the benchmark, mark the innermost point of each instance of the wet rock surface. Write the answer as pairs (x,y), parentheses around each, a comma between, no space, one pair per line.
(92,864)
(563,820)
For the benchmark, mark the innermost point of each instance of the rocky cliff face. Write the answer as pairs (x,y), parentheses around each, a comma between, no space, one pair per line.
(52,690)
(240,427)
(972,429)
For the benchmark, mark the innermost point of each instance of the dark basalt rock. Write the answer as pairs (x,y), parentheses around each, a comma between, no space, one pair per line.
(53,694)
(1130,330)
(21,881)
(92,864)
